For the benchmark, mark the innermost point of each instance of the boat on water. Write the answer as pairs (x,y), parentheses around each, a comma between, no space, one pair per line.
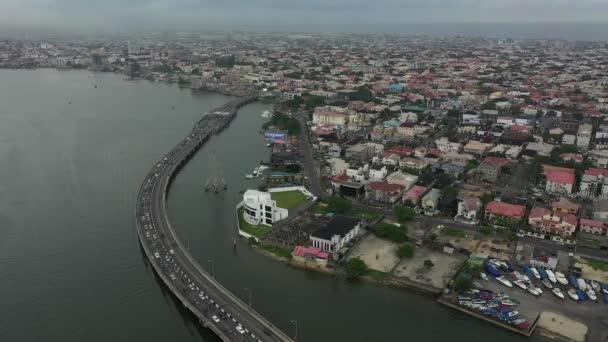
(561,278)
(572,294)
(558,293)
(591,294)
(266,114)
(581,284)
(249,176)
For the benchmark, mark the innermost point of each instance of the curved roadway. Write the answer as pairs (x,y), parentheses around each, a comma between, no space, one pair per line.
(216,308)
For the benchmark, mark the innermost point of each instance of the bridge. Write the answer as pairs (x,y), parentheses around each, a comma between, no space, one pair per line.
(214,306)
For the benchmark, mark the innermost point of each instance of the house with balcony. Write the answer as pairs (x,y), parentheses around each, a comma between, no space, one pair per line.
(468,210)
(502,213)
(490,168)
(336,234)
(414,194)
(594,184)
(546,221)
(260,208)
(383,192)
(565,206)
(560,182)
(430,202)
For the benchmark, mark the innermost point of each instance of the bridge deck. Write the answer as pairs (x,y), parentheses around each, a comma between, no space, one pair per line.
(192,285)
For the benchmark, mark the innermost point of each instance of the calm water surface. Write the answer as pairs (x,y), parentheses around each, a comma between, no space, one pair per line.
(71,269)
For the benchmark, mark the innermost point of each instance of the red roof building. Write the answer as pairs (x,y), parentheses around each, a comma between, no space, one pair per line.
(501,210)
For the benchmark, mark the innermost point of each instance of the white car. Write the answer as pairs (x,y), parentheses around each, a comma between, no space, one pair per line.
(215,319)
(240,329)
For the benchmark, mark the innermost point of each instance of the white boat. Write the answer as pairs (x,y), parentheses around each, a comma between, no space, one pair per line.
(483,276)
(581,284)
(547,283)
(591,294)
(255,171)
(520,284)
(249,176)
(538,289)
(595,285)
(551,276)
(533,291)
(266,114)
(558,293)
(572,294)
(504,281)
(535,272)
(561,278)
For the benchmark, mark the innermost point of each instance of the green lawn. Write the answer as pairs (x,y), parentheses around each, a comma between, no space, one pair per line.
(599,265)
(288,199)
(257,231)
(365,215)
(454,232)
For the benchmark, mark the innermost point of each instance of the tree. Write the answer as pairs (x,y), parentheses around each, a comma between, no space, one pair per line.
(338,205)
(404,213)
(355,268)
(135,68)
(428,264)
(294,104)
(406,251)
(485,198)
(314,101)
(391,232)
(486,230)
(463,282)
(196,71)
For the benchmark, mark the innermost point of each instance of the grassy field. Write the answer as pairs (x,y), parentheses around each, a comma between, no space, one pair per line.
(365,215)
(278,251)
(599,265)
(454,232)
(257,231)
(288,199)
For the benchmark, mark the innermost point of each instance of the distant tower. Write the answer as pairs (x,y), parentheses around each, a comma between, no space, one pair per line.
(215,182)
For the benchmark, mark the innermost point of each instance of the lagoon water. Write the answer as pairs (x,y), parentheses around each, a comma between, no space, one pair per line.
(71,269)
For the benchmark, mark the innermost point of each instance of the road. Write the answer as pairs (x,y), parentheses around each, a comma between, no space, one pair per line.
(215,307)
(311,167)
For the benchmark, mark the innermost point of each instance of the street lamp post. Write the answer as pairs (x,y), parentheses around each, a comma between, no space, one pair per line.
(295,322)
(249,291)
(212,267)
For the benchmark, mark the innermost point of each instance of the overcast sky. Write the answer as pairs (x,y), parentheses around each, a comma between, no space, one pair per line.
(338,15)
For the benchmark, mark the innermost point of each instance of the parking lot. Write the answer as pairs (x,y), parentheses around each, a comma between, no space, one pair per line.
(591,314)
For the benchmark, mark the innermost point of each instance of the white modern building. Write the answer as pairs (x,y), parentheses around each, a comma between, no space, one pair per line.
(260,208)
(336,234)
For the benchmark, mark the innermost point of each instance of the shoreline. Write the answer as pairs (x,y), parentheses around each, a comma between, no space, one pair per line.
(391,282)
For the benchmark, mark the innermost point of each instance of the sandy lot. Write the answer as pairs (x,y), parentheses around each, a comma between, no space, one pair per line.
(592,273)
(564,326)
(378,254)
(496,250)
(438,276)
